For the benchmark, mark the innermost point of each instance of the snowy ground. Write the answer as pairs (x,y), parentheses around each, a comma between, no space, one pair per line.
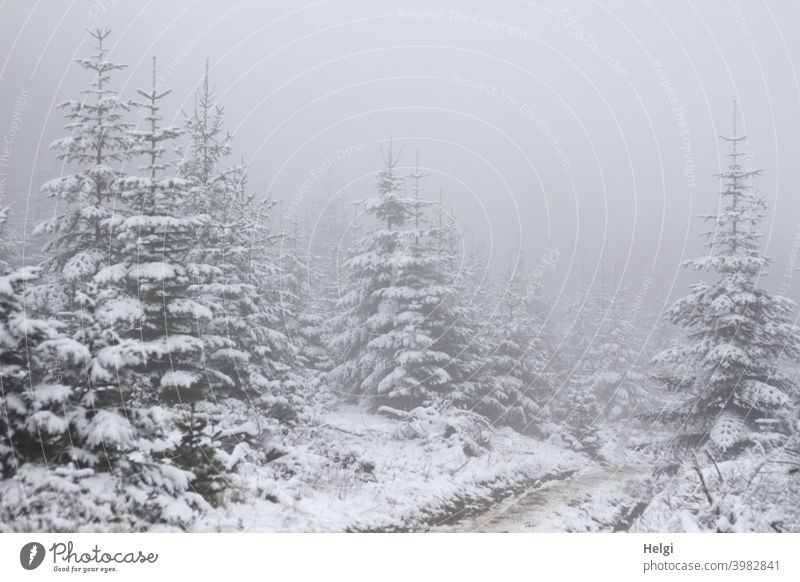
(593,499)
(355,471)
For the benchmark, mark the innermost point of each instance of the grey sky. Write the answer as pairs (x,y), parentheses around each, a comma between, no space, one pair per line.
(588,125)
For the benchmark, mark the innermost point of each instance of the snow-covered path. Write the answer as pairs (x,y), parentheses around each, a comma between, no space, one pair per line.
(586,501)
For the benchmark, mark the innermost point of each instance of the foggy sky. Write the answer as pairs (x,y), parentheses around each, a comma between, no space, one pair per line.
(588,128)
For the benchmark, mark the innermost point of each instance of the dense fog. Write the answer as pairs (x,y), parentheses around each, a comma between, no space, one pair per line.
(376,266)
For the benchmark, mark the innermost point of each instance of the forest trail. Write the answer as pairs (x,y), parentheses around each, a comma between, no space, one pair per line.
(578,503)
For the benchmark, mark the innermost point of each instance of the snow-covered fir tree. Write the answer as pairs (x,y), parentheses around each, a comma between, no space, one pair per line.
(578,321)
(90,432)
(248,304)
(614,374)
(80,242)
(513,385)
(52,438)
(147,289)
(237,337)
(155,363)
(574,404)
(302,311)
(243,338)
(21,357)
(32,423)
(202,159)
(727,377)
(400,338)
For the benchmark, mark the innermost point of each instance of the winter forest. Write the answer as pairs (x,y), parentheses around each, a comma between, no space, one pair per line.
(184,348)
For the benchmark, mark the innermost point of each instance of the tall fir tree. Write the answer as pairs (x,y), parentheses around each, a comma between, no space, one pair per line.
(212,192)
(148,294)
(727,373)
(399,335)
(81,243)
(82,239)
(244,338)
(155,363)
(94,437)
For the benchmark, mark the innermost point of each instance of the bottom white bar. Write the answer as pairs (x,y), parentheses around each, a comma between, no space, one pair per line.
(407,557)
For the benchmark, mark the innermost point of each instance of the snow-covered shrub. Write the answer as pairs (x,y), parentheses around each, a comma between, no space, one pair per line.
(751,493)
(63,499)
(460,429)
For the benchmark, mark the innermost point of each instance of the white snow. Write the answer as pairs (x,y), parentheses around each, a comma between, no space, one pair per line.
(354,470)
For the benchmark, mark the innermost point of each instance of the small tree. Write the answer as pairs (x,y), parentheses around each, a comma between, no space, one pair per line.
(302,312)
(614,375)
(513,385)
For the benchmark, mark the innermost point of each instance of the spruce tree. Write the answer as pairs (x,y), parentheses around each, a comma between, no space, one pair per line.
(302,312)
(211,191)
(9,245)
(727,376)
(154,363)
(52,439)
(514,386)
(81,243)
(149,284)
(32,428)
(70,359)
(244,339)
(614,375)
(400,338)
